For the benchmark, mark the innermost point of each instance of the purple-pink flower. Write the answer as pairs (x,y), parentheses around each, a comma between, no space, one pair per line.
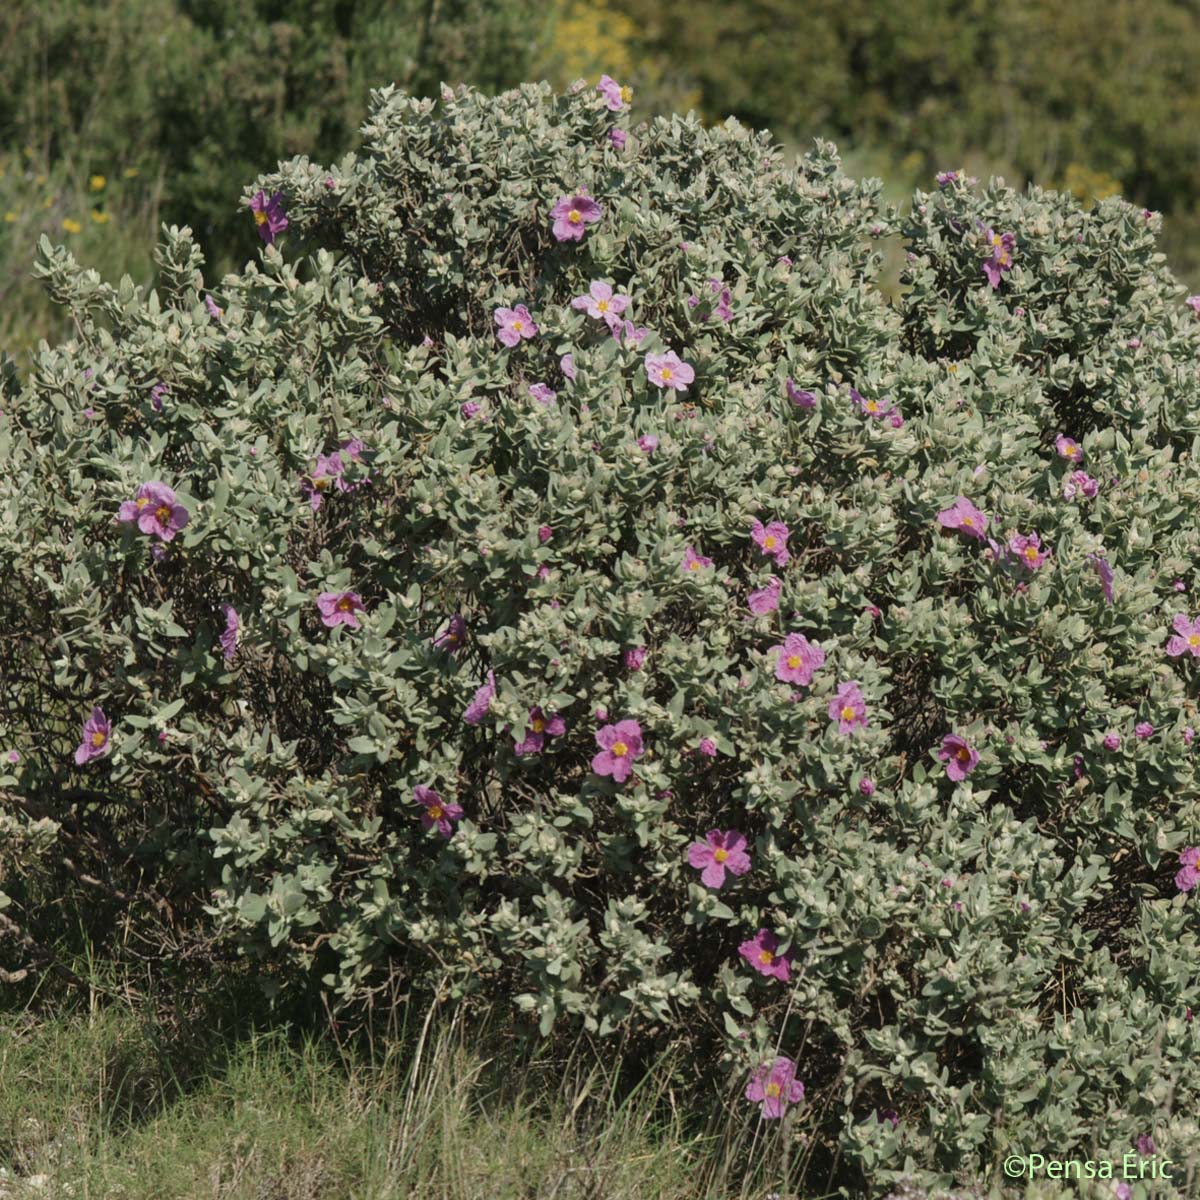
(1028,550)
(1193,302)
(718,853)
(667,371)
(799,659)
(648,442)
(214,309)
(760,952)
(437,811)
(799,397)
(97,730)
(693,561)
(1143,730)
(1080,481)
(965,517)
(1112,741)
(328,469)
(959,757)
(572,215)
(229,639)
(268,215)
(619,745)
(849,707)
(776,1086)
(626,332)
(1187,636)
(600,301)
(1069,449)
(772,540)
(766,600)
(566,365)
(340,608)
(540,728)
(481,701)
(616,95)
(634,657)
(513,324)
(542,393)
(157,392)
(454,636)
(156,510)
(1188,874)
(618,137)
(1002,246)
(872,408)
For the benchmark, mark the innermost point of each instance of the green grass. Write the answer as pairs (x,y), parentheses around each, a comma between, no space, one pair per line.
(99,1103)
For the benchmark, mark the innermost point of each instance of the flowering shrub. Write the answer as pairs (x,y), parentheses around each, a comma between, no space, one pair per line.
(683,698)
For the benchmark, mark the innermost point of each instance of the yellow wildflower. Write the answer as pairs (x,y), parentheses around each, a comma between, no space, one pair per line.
(10,217)
(71,226)
(130,172)
(97,182)
(99,217)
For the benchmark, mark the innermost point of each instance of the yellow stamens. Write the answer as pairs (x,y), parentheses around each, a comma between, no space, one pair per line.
(345,604)
(620,749)
(847,713)
(720,855)
(98,738)
(774,1090)
(163,513)
(260,218)
(667,373)
(793,661)
(574,216)
(435,812)
(537,725)
(766,957)
(769,542)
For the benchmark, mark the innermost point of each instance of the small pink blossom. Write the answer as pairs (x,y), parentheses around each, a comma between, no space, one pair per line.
(772,540)
(693,561)
(720,852)
(514,324)
(1187,636)
(849,707)
(766,600)
(573,214)
(963,516)
(600,301)
(438,813)
(340,608)
(776,1086)
(760,953)
(619,745)
(667,371)
(799,659)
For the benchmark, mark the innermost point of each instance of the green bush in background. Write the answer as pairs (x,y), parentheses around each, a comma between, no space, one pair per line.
(990,960)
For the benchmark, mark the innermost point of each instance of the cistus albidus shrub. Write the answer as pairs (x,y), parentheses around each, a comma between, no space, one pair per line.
(552,570)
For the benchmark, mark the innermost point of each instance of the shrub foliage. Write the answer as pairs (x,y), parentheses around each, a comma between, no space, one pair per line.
(516,562)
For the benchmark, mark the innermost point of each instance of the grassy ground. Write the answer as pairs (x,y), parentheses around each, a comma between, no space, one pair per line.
(97,1103)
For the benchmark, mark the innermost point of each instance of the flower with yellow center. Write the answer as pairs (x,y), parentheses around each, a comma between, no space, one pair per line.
(574,216)
(773,1090)
(720,855)
(766,957)
(793,662)
(101,218)
(99,737)
(435,812)
(620,749)
(345,604)
(260,218)
(537,725)
(847,713)
(769,542)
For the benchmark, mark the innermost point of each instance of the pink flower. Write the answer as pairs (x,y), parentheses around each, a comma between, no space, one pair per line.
(618,137)
(965,517)
(667,371)
(97,730)
(437,811)
(1188,874)
(1144,730)
(157,392)
(13,756)
(268,215)
(616,95)
(759,952)
(469,408)
(1080,481)
(600,301)
(542,393)
(454,637)
(866,786)
(766,600)
(155,510)
(1002,247)
(848,707)
(634,658)
(481,701)
(1112,741)
(693,561)
(340,608)
(632,335)
(776,1085)
(1194,303)
(772,540)
(799,660)
(1106,575)
(514,324)
(328,469)
(214,309)
(540,728)
(619,745)
(960,758)
(707,747)
(566,365)
(1069,449)
(648,442)
(1187,636)
(545,533)
(1028,550)
(720,852)
(871,408)
(799,397)
(572,214)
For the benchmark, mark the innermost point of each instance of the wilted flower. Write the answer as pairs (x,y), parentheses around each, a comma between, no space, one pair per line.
(157,392)
(566,365)
(481,701)
(776,1085)
(572,214)
(268,216)
(340,608)
(720,852)
(156,510)
(799,397)
(229,639)
(760,953)
(437,811)
(214,309)
(97,730)
(514,324)
(871,408)
(1194,303)
(542,393)
(619,745)
(766,600)
(618,137)
(1080,481)
(946,177)
(454,637)
(328,469)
